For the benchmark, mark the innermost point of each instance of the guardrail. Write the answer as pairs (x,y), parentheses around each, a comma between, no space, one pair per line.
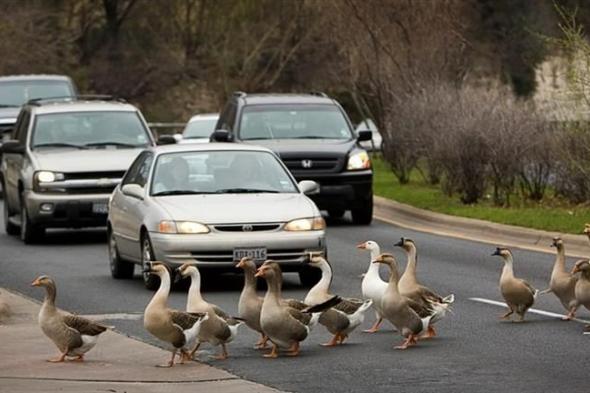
(161,128)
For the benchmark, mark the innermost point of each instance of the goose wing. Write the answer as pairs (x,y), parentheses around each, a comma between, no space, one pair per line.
(185,320)
(83,326)
(348,305)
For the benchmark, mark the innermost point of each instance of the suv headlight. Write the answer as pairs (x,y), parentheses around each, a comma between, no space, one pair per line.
(48,176)
(186,227)
(359,160)
(306,224)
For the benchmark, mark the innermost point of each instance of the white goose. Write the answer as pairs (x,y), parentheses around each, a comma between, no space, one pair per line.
(372,286)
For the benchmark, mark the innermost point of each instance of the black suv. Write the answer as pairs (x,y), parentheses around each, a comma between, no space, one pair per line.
(315,139)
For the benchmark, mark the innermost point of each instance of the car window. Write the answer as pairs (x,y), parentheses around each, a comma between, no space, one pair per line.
(293,122)
(97,129)
(16,93)
(22,125)
(228,117)
(139,170)
(200,128)
(220,172)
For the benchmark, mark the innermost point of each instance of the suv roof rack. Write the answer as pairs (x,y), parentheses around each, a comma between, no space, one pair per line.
(318,93)
(83,97)
(239,94)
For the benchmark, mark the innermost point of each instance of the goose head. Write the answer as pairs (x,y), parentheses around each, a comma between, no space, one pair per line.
(269,270)
(158,268)
(583,265)
(557,243)
(43,281)
(502,252)
(368,245)
(405,243)
(587,230)
(317,261)
(386,259)
(186,269)
(246,263)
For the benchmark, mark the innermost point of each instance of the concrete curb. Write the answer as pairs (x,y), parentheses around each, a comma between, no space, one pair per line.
(410,217)
(118,363)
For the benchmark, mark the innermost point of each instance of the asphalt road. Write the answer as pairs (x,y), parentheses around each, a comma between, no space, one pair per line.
(474,351)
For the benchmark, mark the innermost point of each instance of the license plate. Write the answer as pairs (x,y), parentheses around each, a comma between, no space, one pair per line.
(258,253)
(100,208)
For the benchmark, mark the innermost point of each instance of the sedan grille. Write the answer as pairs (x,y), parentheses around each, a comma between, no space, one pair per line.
(247,227)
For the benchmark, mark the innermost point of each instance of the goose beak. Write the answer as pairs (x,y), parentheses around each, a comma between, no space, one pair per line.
(259,273)
(496,252)
(400,243)
(35,283)
(238,265)
(575,270)
(362,246)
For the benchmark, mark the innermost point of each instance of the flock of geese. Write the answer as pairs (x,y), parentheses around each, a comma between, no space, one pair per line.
(412,308)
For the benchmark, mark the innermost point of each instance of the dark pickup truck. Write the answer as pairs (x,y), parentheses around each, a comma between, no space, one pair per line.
(313,136)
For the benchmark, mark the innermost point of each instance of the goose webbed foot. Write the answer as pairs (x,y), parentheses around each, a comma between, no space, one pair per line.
(79,358)
(375,327)
(273,353)
(294,350)
(261,344)
(333,342)
(222,355)
(410,341)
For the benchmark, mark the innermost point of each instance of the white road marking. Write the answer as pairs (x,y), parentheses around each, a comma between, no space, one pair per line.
(124,316)
(531,310)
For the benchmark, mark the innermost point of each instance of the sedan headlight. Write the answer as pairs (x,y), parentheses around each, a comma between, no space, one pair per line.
(48,176)
(306,224)
(187,227)
(358,161)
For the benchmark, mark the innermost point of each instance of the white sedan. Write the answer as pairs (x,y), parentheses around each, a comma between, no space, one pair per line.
(212,204)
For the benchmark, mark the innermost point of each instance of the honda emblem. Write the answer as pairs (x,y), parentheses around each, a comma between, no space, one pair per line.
(306,163)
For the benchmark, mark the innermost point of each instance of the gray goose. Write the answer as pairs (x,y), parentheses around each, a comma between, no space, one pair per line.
(220,328)
(284,325)
(250,304)
(178,328)
(563,283)
(73,335)
(582,290)
(518,294)
(344,317)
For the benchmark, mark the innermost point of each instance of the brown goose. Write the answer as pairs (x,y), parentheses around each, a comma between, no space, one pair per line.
(587,230)
(341,319)
(285,326)
(563,283)
(178,328)
(518,294)
(398,309)
(73,335)
(582,290)
(220,328)
(409,286)
(250,303)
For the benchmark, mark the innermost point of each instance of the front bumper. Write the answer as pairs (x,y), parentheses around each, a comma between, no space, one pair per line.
(215,250)
(344,190)
(68,211)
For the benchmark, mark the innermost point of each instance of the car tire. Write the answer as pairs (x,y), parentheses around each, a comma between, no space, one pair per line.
(10,228)
(309,276)
(120,268)
(336,213)
(363,215)
(151,281)
(30,233)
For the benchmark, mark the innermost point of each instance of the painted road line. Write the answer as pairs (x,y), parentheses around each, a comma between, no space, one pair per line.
(123,316)
(531,310)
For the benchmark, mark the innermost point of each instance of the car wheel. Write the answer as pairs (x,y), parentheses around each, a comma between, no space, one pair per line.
(363,215)
(29,232)
(309,276)
(10,228)
(336,213)
(151,281)
(119,267)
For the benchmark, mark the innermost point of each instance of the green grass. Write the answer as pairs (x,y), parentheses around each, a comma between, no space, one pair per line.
(551,215)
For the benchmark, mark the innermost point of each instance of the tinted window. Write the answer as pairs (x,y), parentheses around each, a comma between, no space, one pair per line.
(219,172)
(16,93)
(138,172)
(293,122)
(90,130)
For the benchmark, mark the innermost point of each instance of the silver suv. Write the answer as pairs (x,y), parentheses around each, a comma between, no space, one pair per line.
(64,160)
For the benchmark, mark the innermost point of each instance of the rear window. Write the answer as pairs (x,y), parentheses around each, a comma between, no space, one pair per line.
(17,93)
(293,122)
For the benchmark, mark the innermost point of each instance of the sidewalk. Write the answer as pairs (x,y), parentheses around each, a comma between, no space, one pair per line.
(116,364)
(471,229)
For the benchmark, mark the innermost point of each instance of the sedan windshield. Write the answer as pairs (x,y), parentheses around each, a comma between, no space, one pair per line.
(16,93)
(219,172)
(200,128)
(293,122)
(89,130)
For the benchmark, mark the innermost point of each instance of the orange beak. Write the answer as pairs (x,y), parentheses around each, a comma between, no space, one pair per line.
(259,272)
(239,264)
(35,283)
(575,270)
(362,246)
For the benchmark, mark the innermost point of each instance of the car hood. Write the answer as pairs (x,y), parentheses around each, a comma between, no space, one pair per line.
(92,160)
(237,208)
(289,147)
(9,115)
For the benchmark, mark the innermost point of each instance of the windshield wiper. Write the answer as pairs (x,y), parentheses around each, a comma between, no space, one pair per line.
(8,106)
(60,144)
(181,192)
(311,137)
(245,191)
(122,144)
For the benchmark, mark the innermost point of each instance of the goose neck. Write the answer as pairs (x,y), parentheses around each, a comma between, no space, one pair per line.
(559,264)
(161,295)
(194,291)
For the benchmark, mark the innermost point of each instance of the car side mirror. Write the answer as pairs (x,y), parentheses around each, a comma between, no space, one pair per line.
(13,147)
(309,187)
(166,140)
(221,136)
(133,190)
(364,135)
